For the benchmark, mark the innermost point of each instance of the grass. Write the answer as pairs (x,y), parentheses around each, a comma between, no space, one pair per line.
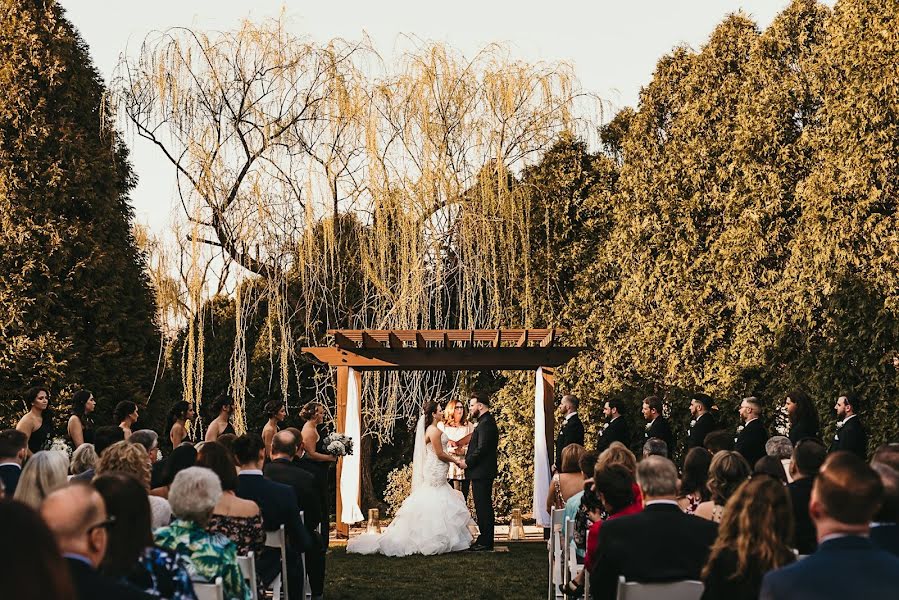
(518,573)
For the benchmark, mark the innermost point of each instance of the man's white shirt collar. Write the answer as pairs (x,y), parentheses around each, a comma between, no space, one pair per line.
(751,420)
(843,422)
(250,472)
(568,417)
(10,462)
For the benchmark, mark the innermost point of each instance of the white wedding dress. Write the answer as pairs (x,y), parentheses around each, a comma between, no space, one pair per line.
(432,520)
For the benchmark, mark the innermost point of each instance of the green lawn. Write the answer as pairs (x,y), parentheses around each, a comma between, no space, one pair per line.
(518,573)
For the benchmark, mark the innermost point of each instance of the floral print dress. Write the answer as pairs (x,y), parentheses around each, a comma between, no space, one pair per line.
(209,555)
(162,574)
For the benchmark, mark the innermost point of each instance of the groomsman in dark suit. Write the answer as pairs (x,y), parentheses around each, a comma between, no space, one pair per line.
(615,429)
(847,564)
(480,468)
(572,431)
(850,435)
(657,425)
(703,422)
(751,436)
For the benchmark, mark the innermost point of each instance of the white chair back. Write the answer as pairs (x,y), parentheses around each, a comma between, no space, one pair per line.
(278,539)
(247,566)
(572,568)
(674,590)
(210,591)
(556,553)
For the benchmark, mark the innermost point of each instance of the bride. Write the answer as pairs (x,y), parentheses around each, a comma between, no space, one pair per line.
(434,518)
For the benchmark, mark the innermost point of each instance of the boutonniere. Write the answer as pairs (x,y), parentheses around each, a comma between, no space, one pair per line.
(740,429)
(840,425)
(604,427)
(648,425)
(692,423)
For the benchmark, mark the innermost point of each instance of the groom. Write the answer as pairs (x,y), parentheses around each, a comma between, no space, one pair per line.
(480,467)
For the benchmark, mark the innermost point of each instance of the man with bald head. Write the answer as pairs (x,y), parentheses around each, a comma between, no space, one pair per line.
(283,469)
(76,515)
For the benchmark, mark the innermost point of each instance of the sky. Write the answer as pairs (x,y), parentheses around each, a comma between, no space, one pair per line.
(613,45)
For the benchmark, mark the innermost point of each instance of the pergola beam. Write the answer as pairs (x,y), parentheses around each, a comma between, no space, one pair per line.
(440,359)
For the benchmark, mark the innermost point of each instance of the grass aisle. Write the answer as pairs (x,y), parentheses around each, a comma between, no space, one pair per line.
(518,573)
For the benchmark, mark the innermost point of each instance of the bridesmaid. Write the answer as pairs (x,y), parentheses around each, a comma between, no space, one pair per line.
(180,413)
(313,415)
(80,428)
(37,423)
(223,407)
(802,416)
(276,414)
(126,414)
(458,429)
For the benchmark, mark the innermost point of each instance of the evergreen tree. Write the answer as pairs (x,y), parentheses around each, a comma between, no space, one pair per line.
(75,303)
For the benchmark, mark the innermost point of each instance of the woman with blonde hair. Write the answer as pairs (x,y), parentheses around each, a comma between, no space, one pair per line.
(754,537)
(44,472)
(132,459)
(569,480)
(458,429)
(84,458)
(617,454)
(726,472)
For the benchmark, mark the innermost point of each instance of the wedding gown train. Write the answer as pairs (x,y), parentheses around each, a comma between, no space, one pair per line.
(434,518)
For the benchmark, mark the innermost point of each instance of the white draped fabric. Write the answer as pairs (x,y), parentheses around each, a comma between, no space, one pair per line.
(542,473)
(351,471)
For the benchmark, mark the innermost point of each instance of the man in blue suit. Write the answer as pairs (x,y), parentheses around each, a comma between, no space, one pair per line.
(13,447)
(845,497)
(278,505)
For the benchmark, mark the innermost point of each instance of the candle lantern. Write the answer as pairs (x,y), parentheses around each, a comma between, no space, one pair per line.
(374,521)
(516,527)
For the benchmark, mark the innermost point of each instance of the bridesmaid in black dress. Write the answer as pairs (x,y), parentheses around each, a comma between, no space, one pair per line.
(221,424)
(80,428)
(802,415)
(37,423)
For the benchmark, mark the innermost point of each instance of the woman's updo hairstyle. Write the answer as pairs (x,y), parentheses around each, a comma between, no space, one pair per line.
(428,410)
(307,413)
(273,407)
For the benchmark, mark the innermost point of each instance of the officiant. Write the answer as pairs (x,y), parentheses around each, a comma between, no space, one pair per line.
(572,431)
(458,429)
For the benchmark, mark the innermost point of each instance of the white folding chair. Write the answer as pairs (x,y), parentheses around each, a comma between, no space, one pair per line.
(307,587)
(584,566)
(278,539)
(210,591)
(247,566)
(572,567)
(554,547)
(674,590)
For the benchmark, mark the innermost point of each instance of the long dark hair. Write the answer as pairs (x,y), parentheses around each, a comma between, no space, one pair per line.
(805,408)
(220,460)
(428,410)
(126,500)
(178,411)
(696,473)
(181,457)
(79,402)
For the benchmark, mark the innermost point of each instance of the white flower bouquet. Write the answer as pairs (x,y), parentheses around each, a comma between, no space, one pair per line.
(338,444)
(59,444)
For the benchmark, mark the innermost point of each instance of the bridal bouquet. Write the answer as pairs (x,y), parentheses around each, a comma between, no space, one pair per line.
(338,444)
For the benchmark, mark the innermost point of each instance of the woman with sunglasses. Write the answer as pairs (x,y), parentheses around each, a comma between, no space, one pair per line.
(458,429)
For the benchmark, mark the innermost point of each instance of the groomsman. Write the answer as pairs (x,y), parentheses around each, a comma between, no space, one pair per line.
(572,431)
(703,422)
(615,429)
(657,425)
(850,435)
(751,436)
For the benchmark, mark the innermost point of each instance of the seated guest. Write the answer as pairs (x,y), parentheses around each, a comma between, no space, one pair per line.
(193,494)
(76,514)
(845,497)
(125,457)
(781,448)
(693,484)
(31,568)
(808,456)
(884,528)
(130,553)
(576,510)
(181,457)
(772,467)
(283,470)
(613,489)
(104,437)
(149,439)
(237,519)
(278,504)
(83,458)
(755,536)
(719,440)
(726,472)
(661,543)
(887,454)
(655,447)
(568,481)
(227,440)
(44,472)
(13,448)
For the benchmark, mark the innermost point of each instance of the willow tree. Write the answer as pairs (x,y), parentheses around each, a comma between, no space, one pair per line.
(273,139)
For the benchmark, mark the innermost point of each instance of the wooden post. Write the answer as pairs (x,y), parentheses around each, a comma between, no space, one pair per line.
(549,408)
(343,386)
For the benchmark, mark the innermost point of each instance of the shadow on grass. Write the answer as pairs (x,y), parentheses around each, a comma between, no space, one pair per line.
(518,573)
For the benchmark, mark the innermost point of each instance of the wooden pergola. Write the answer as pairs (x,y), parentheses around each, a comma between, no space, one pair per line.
(440,350)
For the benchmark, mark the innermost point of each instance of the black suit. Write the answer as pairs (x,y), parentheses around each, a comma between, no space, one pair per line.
(278,505)
(9,474)
(480,461)
(886,537)
(851,437)
(617,431)
(282,470)
(751,442)
(806,537)
(662,543)
(90,584)
(660,428)
(704,425)
(572,432)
